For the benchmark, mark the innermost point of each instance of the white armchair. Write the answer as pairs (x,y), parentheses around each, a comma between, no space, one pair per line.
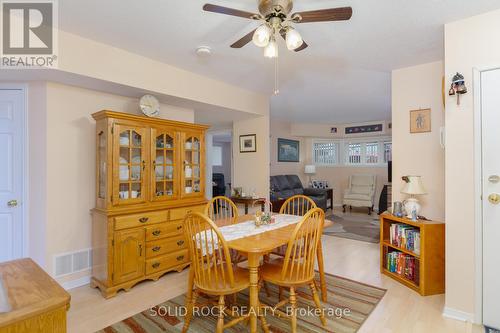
(361,192)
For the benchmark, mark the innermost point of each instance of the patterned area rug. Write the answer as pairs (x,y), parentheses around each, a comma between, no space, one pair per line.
(349,304)
(357,227)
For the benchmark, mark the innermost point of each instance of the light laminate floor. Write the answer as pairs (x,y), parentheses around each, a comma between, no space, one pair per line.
(401,309)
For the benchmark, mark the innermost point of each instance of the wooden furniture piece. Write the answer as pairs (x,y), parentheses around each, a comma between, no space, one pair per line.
(296,269)
(430,268)
(247,201)
(150,174)
(300,205)
(221,210)
(256,246)
(329,198)
(38,303)
(211,270)
(385,201)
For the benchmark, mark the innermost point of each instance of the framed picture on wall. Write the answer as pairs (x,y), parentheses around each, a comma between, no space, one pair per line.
(248,143)
(288,150)
(420,121)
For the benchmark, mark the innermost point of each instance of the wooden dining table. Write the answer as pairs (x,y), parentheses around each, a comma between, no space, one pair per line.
(255,247)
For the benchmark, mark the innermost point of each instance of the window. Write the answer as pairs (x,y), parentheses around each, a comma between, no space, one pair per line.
(387,152)
(371,153)
(354,153)
(363,152)
(217,156)
(325,153)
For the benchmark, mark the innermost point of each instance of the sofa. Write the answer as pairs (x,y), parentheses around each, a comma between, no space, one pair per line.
(361,192)
(284,186)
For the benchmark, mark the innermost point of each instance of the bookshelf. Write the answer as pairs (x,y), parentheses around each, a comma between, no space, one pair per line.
(421,267)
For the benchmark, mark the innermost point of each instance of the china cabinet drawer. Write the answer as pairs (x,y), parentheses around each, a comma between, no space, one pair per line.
(165,246)
(167,261)
(180,213)
(163,230)
(137,220)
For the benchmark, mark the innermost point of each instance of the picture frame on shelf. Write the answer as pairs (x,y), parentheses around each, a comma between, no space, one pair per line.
(248,143)
(288,150)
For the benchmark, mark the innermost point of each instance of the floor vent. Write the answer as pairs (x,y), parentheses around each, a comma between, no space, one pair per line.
(69,263)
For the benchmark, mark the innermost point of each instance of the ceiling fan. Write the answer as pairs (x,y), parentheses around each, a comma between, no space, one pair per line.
(276,18)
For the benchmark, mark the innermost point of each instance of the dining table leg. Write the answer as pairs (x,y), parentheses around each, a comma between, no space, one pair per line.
(321,267)
(253,268)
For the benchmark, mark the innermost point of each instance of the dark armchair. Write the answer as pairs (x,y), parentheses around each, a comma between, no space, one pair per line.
(285,186)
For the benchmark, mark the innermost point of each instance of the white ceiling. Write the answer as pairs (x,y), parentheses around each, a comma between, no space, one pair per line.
(344,75)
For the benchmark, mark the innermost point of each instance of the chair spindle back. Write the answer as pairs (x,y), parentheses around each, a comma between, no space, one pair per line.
(302,248)
(210,257)
(297,205)
(222,210)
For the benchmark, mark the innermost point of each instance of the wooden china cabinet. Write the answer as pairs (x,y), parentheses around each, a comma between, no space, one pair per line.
(150,174)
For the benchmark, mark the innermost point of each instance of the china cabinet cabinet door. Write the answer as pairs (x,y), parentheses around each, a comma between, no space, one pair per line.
(164,160)
(193,164)
(129,254)
(130,159)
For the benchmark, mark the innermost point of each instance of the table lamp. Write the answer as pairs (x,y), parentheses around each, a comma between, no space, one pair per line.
(309,170)
(413,187)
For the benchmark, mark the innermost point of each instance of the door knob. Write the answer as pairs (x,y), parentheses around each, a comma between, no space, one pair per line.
(12,203)
(494,198)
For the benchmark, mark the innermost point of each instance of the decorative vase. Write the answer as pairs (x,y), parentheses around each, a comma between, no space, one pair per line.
(411,205)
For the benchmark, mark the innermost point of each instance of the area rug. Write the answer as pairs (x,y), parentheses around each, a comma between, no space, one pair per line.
(358,227)
(349,304)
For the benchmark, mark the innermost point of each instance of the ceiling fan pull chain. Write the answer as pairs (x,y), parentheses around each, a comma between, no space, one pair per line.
(276,77)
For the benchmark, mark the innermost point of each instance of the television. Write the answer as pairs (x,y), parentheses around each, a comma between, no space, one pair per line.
(389,171)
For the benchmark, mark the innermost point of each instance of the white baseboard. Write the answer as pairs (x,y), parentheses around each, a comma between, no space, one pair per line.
(458,315)
(76,283)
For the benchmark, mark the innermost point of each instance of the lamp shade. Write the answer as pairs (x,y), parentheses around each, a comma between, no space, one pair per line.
(414,186)
(310,169)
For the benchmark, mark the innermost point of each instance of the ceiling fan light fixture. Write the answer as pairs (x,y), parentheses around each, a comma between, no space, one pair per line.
(293,39)
(271,50)
(262,36)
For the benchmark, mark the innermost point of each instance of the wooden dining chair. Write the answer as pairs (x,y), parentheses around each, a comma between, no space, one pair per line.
(223,211)
(211,271)
(296,269)
(299,205)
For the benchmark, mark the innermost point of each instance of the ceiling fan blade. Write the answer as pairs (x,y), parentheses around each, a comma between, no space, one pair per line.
(323,15)
(229,11)
(243,41)
(300,48)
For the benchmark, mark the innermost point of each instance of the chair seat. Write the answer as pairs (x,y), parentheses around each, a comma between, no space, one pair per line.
(357,196)
(271,272)
(241,282)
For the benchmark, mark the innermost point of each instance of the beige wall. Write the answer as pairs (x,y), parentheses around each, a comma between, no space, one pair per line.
(282,129)
(70,162)
(251,170)
(470,43)
(419,154)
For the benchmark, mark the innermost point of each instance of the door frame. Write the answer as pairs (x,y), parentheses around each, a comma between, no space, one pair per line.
(478,191)
(25,155)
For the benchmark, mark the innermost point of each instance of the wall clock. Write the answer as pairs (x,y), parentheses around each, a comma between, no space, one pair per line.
(150,106)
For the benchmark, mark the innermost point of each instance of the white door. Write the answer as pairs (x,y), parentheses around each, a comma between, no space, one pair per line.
(11,173)
(490,107)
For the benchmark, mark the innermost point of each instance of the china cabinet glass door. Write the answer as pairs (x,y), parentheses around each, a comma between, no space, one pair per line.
(164,148)
(192,165)
(130,166)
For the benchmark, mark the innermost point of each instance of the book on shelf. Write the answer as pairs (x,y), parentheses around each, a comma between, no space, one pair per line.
(402,264)
(405,236)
